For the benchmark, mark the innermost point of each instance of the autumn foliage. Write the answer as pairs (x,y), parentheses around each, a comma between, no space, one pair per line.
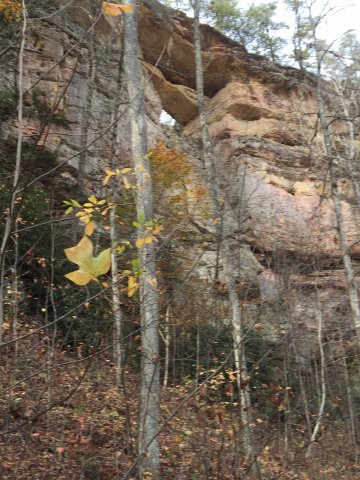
(82,255)
(170,167)
(10,10)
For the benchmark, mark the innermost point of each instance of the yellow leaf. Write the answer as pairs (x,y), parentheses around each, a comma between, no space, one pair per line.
(84,217)
(149,239)
(115,10)
(89,229)
(92,199)
(83,249)
(127,184)
(139,242)
(132,286)
(109,206)
(89,267)
(157,229)
(109,174)
(79,277)
(126,170)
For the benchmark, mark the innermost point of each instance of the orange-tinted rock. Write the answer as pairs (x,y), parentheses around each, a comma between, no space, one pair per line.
(178,100)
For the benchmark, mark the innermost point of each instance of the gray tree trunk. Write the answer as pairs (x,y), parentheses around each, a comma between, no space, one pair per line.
(116,308)
(340,224)
(14,194)
(236,313)
(320,414)
(148,446)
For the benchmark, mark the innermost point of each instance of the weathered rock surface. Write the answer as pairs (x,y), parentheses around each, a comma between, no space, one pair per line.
(262,117)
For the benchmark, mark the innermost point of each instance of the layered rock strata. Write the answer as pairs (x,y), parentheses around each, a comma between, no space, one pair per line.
(262,118)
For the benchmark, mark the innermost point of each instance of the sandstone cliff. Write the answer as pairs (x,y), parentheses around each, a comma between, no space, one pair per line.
(269,152)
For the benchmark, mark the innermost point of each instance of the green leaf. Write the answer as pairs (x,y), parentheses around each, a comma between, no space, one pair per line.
(75,203)
(101,264)
(135,264)
(141,218)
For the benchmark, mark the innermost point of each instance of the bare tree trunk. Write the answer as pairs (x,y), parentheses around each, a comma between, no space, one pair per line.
(167,346)
(52,304)
(15,289)
(197,365)
(340,224)
(303,391)
(350,157)
(116,309)
(12,207)
(322,376)
(150,362)
(236,313)
(352,414)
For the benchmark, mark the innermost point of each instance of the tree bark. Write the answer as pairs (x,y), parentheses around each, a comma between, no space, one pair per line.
(13,200)
(116,308)
(340,224)
(148,448)
(322,376)
(236,313)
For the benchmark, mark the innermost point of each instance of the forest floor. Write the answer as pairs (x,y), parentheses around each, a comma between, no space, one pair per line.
(73,422)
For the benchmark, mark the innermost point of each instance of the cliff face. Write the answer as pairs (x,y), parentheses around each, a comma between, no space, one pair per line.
(269,152)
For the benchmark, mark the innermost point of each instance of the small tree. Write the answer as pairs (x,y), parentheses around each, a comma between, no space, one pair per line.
(334,174)
(254,27)
(234,303)
(148,444)
(301,37)
(224,14)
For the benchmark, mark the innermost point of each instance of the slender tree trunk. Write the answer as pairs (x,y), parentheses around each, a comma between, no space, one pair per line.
(236,313)
(150,360)
(167,338)
(197,366)
(116,309)
(303,394)
(352,414)
(350,157)
(322,376)
(115,287)
(340,224)
(15,289)
(13,200)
